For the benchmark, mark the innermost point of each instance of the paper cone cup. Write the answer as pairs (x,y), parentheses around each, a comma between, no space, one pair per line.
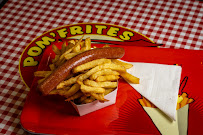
(166,125)
(183,119)
(84,109)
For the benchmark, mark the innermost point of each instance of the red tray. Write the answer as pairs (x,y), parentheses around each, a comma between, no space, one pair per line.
(51,115)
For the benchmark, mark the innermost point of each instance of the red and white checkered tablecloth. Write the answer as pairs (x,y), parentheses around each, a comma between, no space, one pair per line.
(176,24)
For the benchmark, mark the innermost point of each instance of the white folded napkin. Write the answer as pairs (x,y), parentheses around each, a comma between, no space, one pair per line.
(159,83)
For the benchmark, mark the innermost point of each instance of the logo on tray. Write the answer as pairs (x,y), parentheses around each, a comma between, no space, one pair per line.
(98,32)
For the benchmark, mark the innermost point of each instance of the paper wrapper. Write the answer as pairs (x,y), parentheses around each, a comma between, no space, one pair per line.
(84,109)
(165,125)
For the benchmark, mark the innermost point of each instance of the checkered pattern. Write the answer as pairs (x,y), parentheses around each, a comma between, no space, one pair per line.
(177,24)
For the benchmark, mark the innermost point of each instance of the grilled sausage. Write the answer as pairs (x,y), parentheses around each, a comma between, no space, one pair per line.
(64,70)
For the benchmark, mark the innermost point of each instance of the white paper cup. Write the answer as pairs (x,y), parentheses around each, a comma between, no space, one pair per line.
(96,105)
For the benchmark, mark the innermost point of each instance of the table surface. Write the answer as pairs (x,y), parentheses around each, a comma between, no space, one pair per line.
(176,24)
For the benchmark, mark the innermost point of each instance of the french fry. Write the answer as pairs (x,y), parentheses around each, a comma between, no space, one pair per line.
(70,45)
(107,78)
(55,59)
(68,82)
(42,73)
(147,103)
(52,67)
(180,99)
(83,97)
(178,106)
(114,67)
(190,100)
(63,47)
(126,65)
(41,80)
(60,61)
(69,76)
(90,65)
(71,42)
(87,45)
(88,100)
(184,95)
(56,50)
(59,92)
(65,53)
(106,45)
(99,96)
(89,89)
(184,101)
(76,48)
(100,84)
(101,67)
(80,82)
(91,83)
(107,91)
(72,90)
(129,77)
(54,92)
(141,102)
(75,96)
(82,44)
(103,72)
(70,55)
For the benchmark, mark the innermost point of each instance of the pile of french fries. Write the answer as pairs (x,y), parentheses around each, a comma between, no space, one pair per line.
(90,81)
(182,101)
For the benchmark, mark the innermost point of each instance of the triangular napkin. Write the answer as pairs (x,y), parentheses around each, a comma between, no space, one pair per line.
(159,83)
